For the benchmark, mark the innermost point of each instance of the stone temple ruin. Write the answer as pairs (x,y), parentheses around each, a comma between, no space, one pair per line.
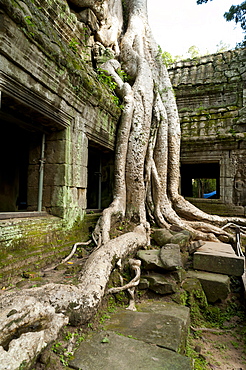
(59,123)
(210,94)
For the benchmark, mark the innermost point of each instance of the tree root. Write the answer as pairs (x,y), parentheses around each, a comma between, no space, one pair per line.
(130,287)
(69,256)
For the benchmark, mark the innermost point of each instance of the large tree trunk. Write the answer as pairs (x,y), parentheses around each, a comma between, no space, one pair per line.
(146,186)
(148,150)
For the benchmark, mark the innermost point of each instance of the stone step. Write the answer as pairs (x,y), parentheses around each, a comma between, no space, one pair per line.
(219,258)
(215,286)
(109,351)
(154,337)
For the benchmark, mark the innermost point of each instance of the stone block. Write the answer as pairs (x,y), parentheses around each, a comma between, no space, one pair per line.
(161,284)
(161,236)
(182,239)
(170,256)
(55,174)
(219,258)
(55,152)
(143,284)
(165,324)
(107,350)
(150,259)
(216,286)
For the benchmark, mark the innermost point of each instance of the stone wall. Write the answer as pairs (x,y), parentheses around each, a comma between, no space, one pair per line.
(49,89)
(211,99)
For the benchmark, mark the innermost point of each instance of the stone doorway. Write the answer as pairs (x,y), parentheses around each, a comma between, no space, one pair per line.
(200,180)
(100,177)
(14,161)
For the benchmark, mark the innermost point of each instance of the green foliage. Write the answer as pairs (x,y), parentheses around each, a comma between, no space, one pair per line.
(236,13)
(111,305)
(202,186)
(106,79)
(103,318)
(221,47)
(29,21)
(73,44)
(57,347)
(23,365)
(105,340)
(194,52)
(167,58)
(123,75)
(200,363)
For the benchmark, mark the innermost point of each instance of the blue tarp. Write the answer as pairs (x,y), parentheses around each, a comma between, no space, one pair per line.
(209,195)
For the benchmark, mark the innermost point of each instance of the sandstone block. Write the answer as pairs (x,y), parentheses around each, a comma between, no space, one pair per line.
(120,352)
(161,284)
(150,259)
(182,239)
(162,236)
(215,286)
(170,256)
(143,284)
(219,258)
(165,324)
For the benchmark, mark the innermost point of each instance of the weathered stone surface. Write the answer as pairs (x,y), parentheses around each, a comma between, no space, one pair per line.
(88,17)
(215,286)
(150,259)
(195,245)
(161,236)
(161,284)
(164,324)
(219,258)
(195,295)
(182,239)
(170,256)
(143,284)
(119,352)
(212,126)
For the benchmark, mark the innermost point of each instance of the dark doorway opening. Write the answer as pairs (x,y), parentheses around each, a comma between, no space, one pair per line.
(100,177)
(14,158)
(200,180)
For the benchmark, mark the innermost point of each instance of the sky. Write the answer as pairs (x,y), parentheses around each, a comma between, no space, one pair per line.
(179,24)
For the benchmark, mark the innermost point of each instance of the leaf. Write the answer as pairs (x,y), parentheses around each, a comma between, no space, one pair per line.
(105,340)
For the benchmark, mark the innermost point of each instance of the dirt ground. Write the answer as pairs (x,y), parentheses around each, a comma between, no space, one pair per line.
(222,350)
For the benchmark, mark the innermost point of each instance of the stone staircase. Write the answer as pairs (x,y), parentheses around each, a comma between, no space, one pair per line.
(152,338)
(155,336)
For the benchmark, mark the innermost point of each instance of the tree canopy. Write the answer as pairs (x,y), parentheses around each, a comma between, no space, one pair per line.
(236,13)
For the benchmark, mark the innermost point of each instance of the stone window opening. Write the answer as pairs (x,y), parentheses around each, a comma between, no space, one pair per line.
(19,167)
(200,180)
(20,163)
